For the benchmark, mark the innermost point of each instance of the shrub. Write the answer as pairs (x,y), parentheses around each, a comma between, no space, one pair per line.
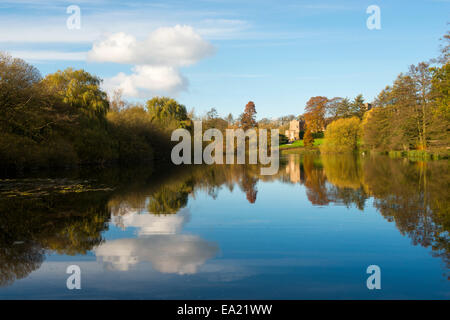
(283,139)
(341,136)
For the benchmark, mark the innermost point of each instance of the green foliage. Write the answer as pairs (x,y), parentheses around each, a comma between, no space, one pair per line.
(168,113)
(134,133)
(282,139)
(318,135)
(441,90)
(341,136)
(344,108)
(78,90)
(64,120)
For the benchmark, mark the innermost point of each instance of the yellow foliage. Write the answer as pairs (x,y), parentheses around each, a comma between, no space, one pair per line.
(341,136)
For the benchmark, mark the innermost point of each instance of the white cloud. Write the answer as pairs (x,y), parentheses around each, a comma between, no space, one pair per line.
(157,59)
(118,47)
(169,46)
(147,80)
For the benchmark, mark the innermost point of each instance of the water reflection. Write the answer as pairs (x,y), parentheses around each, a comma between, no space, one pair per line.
(31,226)
(71,216)
(158,242)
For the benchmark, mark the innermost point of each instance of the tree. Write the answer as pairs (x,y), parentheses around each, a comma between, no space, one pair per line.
(212,114)
(116,102)
(248,117)
(213,121)
(80,91)
(440,118)
(358,106)
(408,119)
(444,58)
(308,139)
(23,107)
(375,129)
(167,113)
(421,76)
(333,108)
(344,108)
(341,135)
(315,113)
(440,90)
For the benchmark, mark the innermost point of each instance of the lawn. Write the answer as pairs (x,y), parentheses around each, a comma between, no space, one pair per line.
(299,144)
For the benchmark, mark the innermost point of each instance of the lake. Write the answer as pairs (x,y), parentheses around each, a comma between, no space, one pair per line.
(226,232)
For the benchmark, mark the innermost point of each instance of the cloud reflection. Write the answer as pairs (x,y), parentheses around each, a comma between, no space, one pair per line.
(178,253)
(149,224)
(159,243)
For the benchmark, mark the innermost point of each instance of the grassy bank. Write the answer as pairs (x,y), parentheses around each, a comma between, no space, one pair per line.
(299,144)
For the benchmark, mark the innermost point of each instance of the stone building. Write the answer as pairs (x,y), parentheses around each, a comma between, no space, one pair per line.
(294,130)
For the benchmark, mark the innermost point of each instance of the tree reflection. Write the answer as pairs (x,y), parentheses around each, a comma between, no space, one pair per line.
(19,260)
(315,180)
(30,227)
(414,195)
(416,198)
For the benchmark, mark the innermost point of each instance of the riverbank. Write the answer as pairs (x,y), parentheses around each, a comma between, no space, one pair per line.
(297,147)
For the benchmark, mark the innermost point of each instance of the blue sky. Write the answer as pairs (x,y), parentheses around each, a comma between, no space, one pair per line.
(217,53)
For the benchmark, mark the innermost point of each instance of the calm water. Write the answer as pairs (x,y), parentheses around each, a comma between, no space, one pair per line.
(226,232)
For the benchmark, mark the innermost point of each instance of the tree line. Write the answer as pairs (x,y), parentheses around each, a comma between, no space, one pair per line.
(65,119)
(410,116)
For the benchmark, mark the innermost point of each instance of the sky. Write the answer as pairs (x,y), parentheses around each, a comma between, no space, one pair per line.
(224,53)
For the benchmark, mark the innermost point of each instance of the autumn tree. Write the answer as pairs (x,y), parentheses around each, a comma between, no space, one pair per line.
(248,117)
(341,135)
(421,76)
(315,113)
(308,139)
(333,108)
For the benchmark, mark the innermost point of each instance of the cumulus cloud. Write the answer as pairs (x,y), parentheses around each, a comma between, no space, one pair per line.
(178,253)
(174,46)
(157,59)
(147,79)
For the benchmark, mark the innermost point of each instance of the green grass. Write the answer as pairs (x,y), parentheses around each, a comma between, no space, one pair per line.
(299,144)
